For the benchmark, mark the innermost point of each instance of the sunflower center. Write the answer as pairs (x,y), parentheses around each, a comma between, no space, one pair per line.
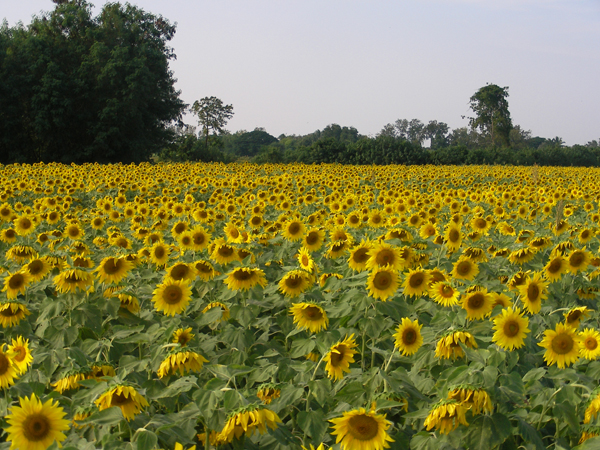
(447,291)
(172,294)
(180,228)
(555,266)
(4,364)
(313,313)
(382,280)
(416,280)
(159,252)
(533,292)
(576,259)
(242,275)
(480,223)
(476,301)
(312,238)
(454,235)
(16,281)
(590,343)
(179,271)
(36,427)
(409,336)
(10,233)
(385,257)
(294,228)
(511,328)
(234,233)
(35,267)
(203,267)
(305,261)
(199,238)
(363,427)
(120,399)
(338,356)
(293,281)
(360,256)
(73,231)
(562,344)
(8,312)
(25,223)
(112,266)
(463,268)
(225,251)
(574,316)
(21,354)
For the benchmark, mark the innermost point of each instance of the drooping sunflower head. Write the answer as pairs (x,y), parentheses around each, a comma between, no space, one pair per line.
(575,315)
(124,397)
(223,307)
(446,416)
(205,270)
(245,278)
(11,313)
(449,345)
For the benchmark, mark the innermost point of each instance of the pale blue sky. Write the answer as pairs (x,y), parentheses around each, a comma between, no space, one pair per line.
(294,66)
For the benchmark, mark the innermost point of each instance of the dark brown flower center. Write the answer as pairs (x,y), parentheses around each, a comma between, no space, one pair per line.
(363,427)
(36,427)
(172,294)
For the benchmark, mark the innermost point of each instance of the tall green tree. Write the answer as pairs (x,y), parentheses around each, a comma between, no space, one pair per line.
(78,88)
(490,106)
(213,115)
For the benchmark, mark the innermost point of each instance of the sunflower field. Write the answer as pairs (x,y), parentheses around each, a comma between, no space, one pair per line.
(211,306)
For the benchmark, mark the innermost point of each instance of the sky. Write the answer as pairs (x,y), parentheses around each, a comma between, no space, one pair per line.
(295,66)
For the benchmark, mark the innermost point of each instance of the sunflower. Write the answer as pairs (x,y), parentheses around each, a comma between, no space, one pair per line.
(556,268)
(533,292)
(248,421)
(562,345)
(113,270)
(477,400)
(444,293)
(125,397)
(588,432)
(172,297)
(359,256)
(339,357)
(360,429)
(501,299)
(200,238)
(20,354)
(464,269)
(309,316)
(74,231)
(182,336)
(511,329)
(313,239)
(295,283)
(416,283)
(382,283)
(453,237)
(478,304)
(408,337)
(16,283)
(205,270)
(69,381)
(578,260)
(222,306)
(223,253)
(181,361)
(21,253)
(72,279)
(305,260)
(159,253)
(245,278)
(449,345)
(24,225)
(99,371)
(294,230)
(8,235)
(574,315)
(9,371)
(11,313)
(593,407)
(35,425)
(267,393)
(38,268)
(129,302)
(446,415)
(590,344)
(181,271)
(383,255)
(521,256)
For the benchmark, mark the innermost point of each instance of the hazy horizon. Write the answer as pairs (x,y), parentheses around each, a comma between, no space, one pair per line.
(297,66)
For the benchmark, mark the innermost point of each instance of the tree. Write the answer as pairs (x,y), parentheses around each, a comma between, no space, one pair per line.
(213,115)
(78,88)
(438,133)
(490,106)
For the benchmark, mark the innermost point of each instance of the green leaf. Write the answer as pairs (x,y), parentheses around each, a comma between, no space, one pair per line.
(589,444)
(110,416)
(145,439)
(530,434)
(313,423)
(567,412)
(181,385)
(488,431)
(424,441)
(302,347)
(320,390)
(534,374)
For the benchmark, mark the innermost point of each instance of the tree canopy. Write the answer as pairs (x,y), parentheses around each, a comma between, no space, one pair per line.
(78,88)
(490,106)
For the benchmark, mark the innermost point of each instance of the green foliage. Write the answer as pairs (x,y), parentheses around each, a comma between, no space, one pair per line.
(490,106)
(213,115)
(78,88)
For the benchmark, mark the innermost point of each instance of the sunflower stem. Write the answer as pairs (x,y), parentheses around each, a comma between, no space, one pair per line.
(545,408)
(387,365)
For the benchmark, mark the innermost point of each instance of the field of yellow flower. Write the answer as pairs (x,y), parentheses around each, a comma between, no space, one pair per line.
(289,306)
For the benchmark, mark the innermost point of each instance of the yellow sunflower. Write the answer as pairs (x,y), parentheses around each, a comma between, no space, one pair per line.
(267,393)
(449,345)
(445,416)
(129,303)
(35,425)
(200,238)
(562,345)
(339,357)
(183,336)
(222,306)
(11,313)
(69,381)
(172,297)
(478,304)
(223,253)
(126,398)
(578,260)
(247,422)
(295,283)
(159,253)
(360,429)
(511,329)
(72,279)
(313,239)
(20,354)
(464,269)
(383,255)
(453,237)
(181,361)
(444,293)
(477,400)
(113,270)
(533,292)
(309,316)
(294,230)
(9,371)
(205,270)
(233,234)
(416,283)
(24,225)
(408,337)
(245,278)
(590,344)
(38,268)
(382,283)
(16,283)
(181,271)
(359,256)
(574,315)
(305,260)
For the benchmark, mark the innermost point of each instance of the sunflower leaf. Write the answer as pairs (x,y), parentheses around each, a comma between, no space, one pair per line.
(313,423)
